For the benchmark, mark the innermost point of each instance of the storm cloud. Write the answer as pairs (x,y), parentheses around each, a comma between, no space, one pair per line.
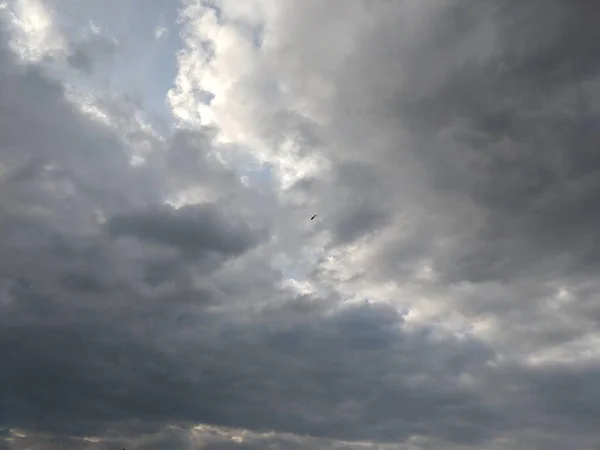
(162,284)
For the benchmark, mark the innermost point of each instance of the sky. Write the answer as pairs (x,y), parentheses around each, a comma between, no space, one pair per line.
(162,284)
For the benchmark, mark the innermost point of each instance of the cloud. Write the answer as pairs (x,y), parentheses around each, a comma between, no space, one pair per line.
(320,375)
(160,32)
(90,51)
(65,175)
(193,230)
(162,284)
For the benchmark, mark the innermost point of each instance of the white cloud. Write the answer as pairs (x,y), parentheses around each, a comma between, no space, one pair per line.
(161,32)
(248,98)
(35,35)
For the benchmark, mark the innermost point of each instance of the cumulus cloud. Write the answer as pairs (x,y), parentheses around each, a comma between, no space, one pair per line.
(162,284)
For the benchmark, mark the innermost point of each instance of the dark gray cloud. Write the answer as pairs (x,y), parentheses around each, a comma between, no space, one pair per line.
(526,168)
(71,295)
(476,119)
(285,369)
(192,230)
(360,210)
(460,134)
(511,132)
(486,111)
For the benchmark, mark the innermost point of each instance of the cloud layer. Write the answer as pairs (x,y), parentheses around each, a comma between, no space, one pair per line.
(162,284)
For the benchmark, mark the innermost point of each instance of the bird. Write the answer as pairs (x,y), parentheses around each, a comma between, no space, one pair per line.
(313,217)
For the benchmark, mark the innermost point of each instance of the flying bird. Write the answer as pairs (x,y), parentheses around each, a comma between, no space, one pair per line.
(313,217)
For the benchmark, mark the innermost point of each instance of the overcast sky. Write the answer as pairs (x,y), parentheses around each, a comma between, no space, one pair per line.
(162,284)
